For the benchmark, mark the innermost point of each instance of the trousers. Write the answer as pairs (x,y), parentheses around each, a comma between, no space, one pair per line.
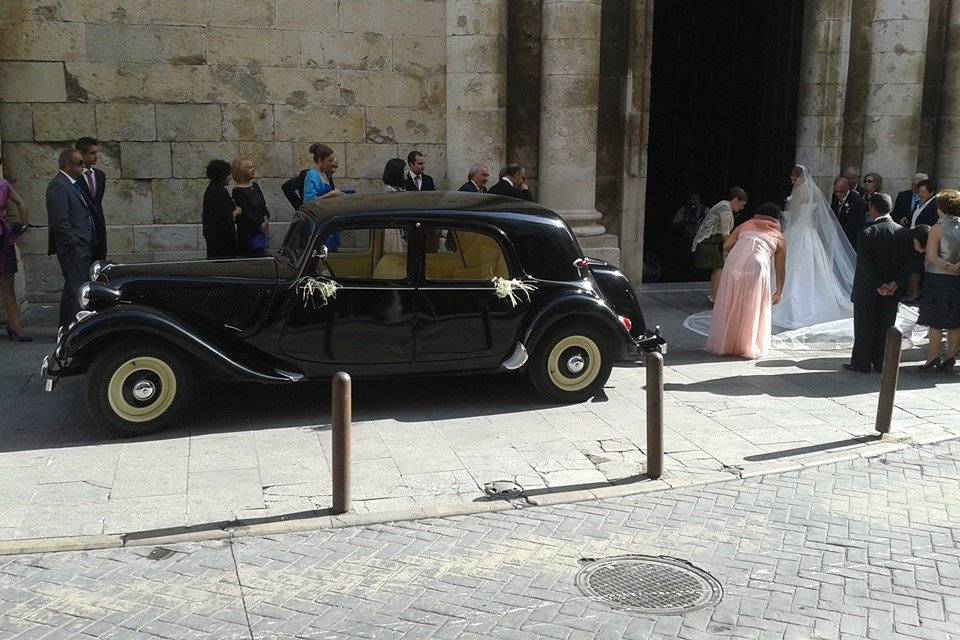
(75,266)
(870,323)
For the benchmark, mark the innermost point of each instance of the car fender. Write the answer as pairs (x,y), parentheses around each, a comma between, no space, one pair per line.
(113,322)
(570,304)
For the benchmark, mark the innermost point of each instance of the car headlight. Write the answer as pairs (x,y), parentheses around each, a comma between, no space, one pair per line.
(97,268)
(95,296)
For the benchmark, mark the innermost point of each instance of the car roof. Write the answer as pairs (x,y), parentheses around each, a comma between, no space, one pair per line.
(417,202)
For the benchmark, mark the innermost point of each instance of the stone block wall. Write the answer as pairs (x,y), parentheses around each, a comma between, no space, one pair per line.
(167,85)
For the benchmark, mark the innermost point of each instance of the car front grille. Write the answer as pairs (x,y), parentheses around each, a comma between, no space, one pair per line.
(235,306)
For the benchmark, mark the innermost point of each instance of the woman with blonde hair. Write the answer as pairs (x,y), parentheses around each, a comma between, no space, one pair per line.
(940,303)
(253,232)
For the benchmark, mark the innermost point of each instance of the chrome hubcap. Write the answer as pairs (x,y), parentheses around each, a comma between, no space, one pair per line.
(144,390)
(576,364)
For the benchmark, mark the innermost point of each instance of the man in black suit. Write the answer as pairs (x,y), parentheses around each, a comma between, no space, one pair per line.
(477,179)
(849,209)
(908,201)
(417,180)
(71,230)
(513,183)
(852,174)
(94,184)
(884,259)
(924,213)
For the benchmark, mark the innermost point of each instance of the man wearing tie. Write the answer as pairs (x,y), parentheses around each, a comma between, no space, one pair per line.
(94,184)
(908,201)
(417,180)
(71,230)
(477,179)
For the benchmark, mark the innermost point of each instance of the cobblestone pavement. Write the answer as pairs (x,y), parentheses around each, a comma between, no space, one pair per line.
(255,451)
(859,549)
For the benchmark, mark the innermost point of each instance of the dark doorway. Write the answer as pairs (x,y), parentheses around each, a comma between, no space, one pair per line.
(723,112)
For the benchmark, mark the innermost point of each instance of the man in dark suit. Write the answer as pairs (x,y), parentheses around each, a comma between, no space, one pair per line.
(71,230)
(849,209)
(513,183)
(477,179)
(908,201)
(924,213)
(94,184)
(417,180)
(884,258)
(852,174)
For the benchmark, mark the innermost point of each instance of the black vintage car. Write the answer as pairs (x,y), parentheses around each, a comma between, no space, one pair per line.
(418,283)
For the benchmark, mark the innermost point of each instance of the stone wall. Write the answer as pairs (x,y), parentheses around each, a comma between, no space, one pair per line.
(168,85)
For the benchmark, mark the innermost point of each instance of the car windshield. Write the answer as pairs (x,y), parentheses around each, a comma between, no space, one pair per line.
(298,237)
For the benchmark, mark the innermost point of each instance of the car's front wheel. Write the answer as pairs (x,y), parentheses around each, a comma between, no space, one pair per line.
(136,388)
(571,363)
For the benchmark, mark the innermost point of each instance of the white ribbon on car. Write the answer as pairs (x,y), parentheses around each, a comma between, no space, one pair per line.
(504,288)
(310,289)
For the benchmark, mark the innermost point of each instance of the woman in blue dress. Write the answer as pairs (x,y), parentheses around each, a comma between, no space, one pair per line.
(318,182)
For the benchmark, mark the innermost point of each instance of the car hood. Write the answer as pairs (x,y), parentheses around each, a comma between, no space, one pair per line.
(243,268)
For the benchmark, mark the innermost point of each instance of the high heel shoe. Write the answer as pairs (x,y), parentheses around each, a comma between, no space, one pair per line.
(18,337)
(930,366)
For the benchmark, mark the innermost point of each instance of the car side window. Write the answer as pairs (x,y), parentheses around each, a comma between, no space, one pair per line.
(375,253)
(460,255)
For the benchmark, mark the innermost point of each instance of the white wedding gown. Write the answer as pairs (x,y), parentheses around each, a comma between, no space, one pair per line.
(815,311)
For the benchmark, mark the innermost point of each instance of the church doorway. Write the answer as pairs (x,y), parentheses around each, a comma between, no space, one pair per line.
(723,112)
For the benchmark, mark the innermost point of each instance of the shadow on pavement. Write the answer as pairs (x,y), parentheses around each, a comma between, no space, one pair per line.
(814,448)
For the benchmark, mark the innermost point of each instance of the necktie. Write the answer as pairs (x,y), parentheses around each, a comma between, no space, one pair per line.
(91,182)
(916,204)
(416,181)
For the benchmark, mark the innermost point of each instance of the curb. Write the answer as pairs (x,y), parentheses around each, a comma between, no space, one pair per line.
(197,533)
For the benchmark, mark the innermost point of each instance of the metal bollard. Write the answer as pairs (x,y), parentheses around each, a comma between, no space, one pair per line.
(341,410)
(888,379)
(654,365)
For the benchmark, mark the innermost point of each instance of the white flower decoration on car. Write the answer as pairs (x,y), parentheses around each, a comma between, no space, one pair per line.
(504,288)
(310,289)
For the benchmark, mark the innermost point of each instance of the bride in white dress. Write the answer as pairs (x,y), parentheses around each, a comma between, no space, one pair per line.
(815,311)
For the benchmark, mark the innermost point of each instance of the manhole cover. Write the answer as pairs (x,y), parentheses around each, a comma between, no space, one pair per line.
(648,584)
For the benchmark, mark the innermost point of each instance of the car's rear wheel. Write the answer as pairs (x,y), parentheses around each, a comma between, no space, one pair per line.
(571,363)
(137,388)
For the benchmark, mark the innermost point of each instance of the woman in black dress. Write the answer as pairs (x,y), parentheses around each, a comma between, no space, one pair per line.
(219,213)
(252,226)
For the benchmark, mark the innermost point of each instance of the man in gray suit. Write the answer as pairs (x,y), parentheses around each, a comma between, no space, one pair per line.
(71,230)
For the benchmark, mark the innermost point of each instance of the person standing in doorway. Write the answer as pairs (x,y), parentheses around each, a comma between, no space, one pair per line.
(707,245)
(94,185)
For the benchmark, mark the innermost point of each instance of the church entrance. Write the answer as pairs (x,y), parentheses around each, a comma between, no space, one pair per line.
(723,112)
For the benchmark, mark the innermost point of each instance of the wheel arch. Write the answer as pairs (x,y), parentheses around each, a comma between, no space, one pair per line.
(568,308)
(88,338)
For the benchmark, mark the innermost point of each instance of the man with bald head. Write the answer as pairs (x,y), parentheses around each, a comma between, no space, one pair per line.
(848,207)
(71,230)
(852,174)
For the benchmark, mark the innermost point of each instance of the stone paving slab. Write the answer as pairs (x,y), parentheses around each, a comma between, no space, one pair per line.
(430,445)
(862,549)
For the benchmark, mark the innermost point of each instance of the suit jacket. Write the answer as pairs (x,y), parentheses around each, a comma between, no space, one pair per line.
(504,188)
(426,183)
(852,215)
(901,206)
(69,216)
(96,210)
(884,254)
(472,188)
(927,214)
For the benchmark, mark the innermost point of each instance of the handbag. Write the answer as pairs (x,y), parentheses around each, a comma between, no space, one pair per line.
(259,243)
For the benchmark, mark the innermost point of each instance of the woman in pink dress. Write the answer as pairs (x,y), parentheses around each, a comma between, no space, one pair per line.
(741,314)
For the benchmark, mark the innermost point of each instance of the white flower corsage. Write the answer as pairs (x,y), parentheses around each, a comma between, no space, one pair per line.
(312,288)
(504,288)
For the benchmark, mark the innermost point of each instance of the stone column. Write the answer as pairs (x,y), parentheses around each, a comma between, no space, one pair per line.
(636,132)
(948,151)
(476,86)
(823,86)
(891,135)
(19,280)
(570,86)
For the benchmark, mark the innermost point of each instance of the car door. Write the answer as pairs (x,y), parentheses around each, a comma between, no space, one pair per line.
(370,319)
(459,317)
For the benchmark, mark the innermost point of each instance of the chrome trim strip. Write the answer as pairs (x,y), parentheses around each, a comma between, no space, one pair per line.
(517,359)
